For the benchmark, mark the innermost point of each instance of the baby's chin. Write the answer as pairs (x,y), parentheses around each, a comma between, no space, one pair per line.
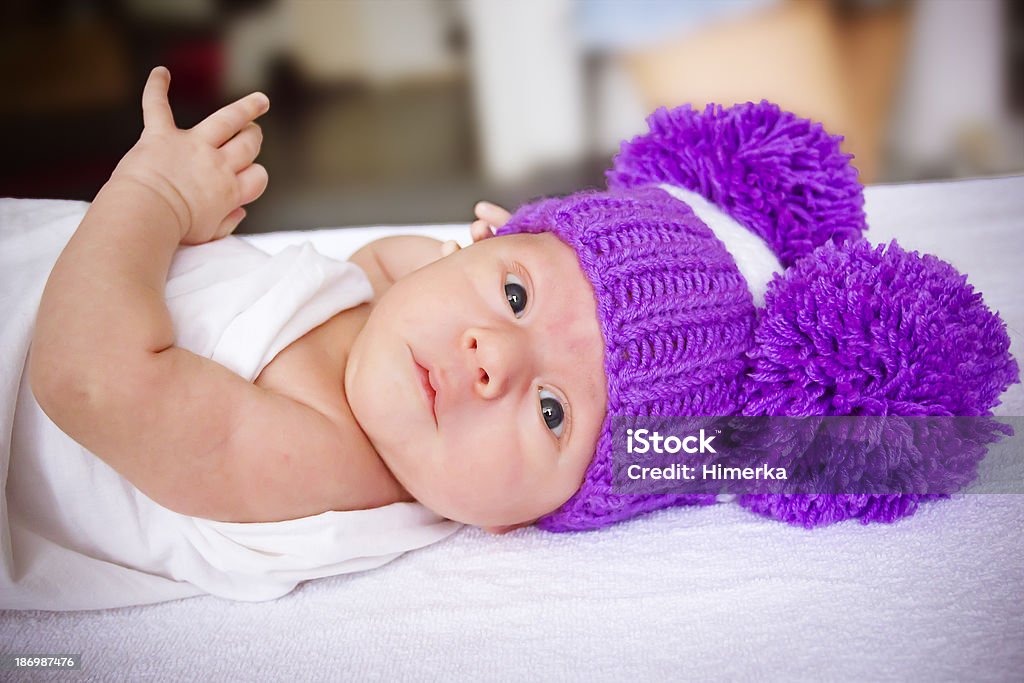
(480,515)
(505,528)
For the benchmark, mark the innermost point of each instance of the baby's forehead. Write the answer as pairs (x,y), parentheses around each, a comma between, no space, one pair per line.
(523,240)
(544,247)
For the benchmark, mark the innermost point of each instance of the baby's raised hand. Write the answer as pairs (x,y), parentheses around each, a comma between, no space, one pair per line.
(205,174)
(488,218)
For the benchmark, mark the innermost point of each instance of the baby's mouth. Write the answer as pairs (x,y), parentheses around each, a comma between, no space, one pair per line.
(428,389)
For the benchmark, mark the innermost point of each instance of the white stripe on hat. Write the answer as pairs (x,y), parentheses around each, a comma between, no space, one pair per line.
(755,260)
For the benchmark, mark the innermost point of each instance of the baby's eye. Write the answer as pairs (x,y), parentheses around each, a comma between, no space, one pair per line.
(515,292)
(551,409)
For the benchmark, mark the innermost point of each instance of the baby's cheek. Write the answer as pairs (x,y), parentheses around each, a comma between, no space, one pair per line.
(501,468)
(478,496)
(514,475)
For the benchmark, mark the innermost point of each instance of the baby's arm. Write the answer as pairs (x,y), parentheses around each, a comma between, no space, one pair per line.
(103,303)
(389,259)
(186,431)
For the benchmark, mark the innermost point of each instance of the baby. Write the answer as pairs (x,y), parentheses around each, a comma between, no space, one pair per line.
(486,411)
(483,383)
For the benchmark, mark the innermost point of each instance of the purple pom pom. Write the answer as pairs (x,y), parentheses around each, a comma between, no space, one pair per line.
(810,510)
(783,177)
(865,330)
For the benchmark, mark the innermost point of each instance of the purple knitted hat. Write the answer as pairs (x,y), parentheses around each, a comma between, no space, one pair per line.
(681,331)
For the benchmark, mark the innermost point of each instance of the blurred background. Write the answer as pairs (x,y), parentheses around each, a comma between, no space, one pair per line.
(409,111)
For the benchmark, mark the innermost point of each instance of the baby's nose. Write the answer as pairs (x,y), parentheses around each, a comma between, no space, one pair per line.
(498,362)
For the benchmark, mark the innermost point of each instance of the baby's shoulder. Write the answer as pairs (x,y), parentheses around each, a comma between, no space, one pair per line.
(389,259)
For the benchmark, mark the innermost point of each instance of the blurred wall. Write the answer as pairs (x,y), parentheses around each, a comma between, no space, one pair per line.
(408,111)
(384,43)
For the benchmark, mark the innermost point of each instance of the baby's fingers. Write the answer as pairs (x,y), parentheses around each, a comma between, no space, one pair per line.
(492,213)
(223,124)
(241,150)
(156,110)
(230,222)
(251,183)
(480,230)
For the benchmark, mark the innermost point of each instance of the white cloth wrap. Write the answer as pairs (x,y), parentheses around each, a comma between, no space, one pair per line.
(77,535)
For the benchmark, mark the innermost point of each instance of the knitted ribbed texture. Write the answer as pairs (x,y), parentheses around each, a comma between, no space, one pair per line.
(676,316)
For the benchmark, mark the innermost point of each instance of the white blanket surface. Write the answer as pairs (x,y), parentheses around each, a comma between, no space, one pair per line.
(681,594)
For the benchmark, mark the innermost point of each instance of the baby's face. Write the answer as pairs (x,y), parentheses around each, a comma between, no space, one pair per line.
(506,331)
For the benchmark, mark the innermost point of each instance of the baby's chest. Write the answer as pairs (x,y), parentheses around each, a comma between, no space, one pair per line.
(311,370)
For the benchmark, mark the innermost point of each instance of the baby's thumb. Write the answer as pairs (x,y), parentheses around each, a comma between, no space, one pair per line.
(156,110)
